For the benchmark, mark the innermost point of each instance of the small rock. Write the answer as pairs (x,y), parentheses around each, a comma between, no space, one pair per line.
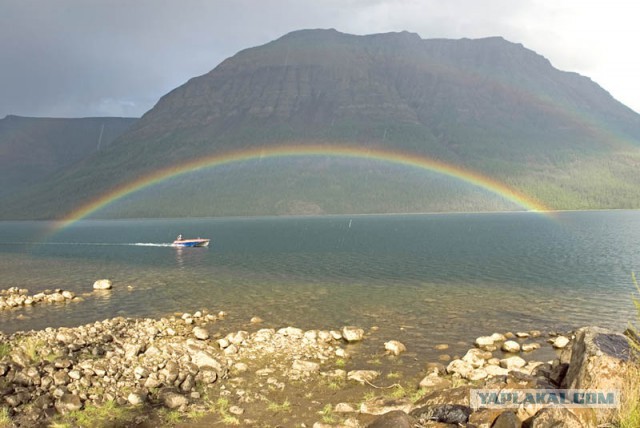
(102,284)
(484,341)
(560,342)
(343,408)
(200,333)
(455,414)
(498,337)
(306,366)
(512,363)
(522,334)
(235,410)
(528,347)
(395,347)
(553,417)
(68,403)
(434,382)
(136,398)
(511,346)
(173,400)
(478,374)
(363,376)
(256,320)
(393,419)
(352,334)
(441,347)
(507,419)
(463,368)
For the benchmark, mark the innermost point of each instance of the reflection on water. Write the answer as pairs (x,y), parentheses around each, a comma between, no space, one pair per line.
(422,280)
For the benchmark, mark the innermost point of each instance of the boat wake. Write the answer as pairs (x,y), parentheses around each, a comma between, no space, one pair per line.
(150,244)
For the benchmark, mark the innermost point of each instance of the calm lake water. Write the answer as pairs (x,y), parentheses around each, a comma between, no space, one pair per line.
(422,279)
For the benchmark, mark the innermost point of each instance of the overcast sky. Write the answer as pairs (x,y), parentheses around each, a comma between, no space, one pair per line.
(77,58)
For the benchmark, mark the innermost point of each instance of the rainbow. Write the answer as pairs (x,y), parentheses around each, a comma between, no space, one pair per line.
(284,151)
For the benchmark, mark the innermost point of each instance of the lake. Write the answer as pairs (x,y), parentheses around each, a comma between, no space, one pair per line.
(421,279)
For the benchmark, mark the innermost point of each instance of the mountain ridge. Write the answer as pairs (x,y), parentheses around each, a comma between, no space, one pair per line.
(488,105)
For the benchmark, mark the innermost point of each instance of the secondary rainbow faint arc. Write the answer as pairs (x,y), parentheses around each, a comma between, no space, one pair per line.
(376,154)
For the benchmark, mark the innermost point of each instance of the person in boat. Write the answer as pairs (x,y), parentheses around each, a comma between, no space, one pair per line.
(179,238)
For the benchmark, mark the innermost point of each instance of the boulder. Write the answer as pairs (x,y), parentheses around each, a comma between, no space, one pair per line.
(476,357)
(511,346)
(483,341)
(560,342)
(433,381)
(382,405)
(528,347)
(512,363)
(463,368)
(352,334)
(362,376)
(395,347)
(393,419)
(200,333)
(205,359)
(456,414)
(507,419)
(599,360)
(498,337)
(68,403)
(306,366)
(102,284)
(173,400)
(459,395)
(552,417)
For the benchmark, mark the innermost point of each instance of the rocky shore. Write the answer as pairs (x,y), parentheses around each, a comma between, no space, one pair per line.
(186,369)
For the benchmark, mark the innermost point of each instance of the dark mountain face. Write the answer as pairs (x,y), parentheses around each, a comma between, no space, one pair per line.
(33,148)
(488,105)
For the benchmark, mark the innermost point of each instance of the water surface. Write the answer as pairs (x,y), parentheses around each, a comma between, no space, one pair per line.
(422,279)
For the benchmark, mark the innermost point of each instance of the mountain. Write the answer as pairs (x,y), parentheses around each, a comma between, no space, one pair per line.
(33,148)
(487,105)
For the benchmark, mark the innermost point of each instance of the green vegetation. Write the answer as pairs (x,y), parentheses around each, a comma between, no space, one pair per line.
(283,407)
(5,420)
(221,407)
(5,349)
(629,413)
(327,414)
(106,415)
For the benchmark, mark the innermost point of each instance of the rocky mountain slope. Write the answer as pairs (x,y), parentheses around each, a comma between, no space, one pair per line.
(488,105)
(33,148)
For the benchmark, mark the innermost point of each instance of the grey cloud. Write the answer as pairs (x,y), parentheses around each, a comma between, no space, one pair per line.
(117,57)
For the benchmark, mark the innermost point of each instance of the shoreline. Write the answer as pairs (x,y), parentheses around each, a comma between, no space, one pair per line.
(189,369)
(303,216)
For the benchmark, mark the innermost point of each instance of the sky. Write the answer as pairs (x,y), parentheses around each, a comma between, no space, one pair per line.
(81,58)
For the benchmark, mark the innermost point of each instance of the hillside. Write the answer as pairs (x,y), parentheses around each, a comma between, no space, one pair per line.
(33,148)
(488,105)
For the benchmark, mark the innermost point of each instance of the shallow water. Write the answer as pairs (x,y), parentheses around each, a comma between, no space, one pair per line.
(422,279)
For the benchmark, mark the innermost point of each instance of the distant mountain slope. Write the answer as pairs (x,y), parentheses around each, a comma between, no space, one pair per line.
(488,105)
(32,148)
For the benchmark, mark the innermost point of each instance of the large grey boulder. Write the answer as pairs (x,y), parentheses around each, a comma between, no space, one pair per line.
(599,360)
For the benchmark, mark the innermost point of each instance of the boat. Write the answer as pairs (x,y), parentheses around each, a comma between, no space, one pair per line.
(197,242)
